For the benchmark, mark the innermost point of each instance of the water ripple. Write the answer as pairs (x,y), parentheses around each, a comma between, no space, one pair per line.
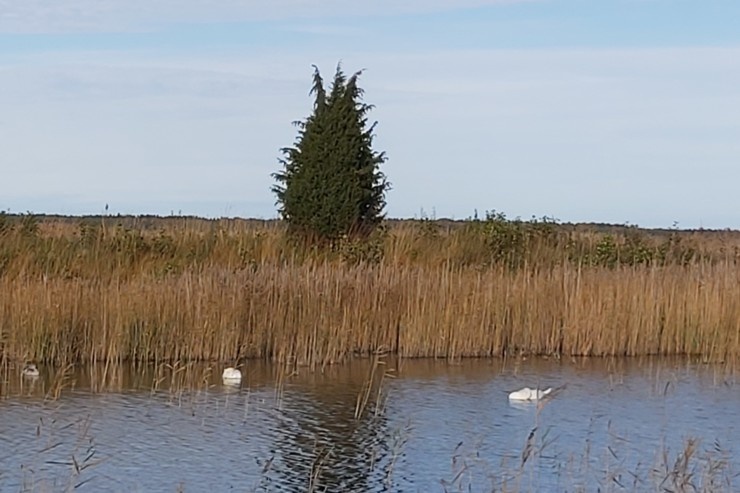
(433,421)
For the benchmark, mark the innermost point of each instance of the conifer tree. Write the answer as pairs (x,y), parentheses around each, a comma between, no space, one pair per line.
(331,184)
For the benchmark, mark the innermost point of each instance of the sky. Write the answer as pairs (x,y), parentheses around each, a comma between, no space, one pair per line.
(610,111)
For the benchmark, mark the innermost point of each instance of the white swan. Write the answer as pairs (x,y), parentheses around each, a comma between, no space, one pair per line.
(231,375)
(30,371)
(527,394)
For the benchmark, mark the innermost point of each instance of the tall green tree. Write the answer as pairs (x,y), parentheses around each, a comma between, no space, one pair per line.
(331,184)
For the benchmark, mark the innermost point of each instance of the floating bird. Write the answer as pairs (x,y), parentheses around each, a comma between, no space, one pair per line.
(30,370)
(231,375)
(527,394)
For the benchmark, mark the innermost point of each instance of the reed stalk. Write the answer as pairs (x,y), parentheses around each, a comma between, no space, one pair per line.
(183,289)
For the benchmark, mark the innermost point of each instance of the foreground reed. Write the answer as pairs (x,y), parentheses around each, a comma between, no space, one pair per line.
(65,455)
(147,289)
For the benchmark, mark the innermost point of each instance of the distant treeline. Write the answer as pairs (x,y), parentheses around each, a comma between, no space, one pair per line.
(153,221)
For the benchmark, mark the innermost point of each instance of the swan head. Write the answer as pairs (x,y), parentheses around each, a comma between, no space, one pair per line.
(30,371)
(231,375)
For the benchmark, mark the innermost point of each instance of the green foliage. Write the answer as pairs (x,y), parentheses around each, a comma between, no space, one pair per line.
(634,247)
(369,250)
(637,250)
(331,185)
(514,242)
(606,252)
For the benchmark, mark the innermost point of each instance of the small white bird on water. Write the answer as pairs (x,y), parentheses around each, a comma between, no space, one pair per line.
(231,376)
(30,371)
(527,394)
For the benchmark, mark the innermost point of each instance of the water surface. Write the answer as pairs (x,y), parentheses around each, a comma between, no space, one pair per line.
(426,425)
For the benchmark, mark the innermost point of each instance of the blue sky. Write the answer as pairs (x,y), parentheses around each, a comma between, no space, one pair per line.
(620,111)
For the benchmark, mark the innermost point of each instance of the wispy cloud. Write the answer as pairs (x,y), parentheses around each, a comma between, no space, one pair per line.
(42,16)
(578,134)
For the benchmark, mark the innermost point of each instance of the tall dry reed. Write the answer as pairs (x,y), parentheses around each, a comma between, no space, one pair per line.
(183,289)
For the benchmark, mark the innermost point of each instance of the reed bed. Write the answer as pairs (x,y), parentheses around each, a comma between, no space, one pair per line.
(183,289)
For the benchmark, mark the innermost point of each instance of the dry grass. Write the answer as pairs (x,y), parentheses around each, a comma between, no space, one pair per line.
(690,468)
(113,290)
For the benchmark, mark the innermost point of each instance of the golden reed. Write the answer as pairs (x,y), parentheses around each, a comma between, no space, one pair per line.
(148,289)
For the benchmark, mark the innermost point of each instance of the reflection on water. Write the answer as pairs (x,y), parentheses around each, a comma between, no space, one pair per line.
(432,426)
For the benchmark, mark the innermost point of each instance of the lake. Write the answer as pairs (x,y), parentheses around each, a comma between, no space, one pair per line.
(416,425)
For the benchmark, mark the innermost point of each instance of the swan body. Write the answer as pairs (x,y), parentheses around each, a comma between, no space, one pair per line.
(30,371)
(527,394)
(231,375)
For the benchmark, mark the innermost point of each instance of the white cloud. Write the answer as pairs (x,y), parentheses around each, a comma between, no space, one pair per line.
(105,15)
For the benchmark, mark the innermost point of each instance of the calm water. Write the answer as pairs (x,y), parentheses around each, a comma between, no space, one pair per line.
(434,426)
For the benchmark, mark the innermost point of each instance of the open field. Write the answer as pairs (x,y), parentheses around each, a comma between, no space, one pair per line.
(165,289)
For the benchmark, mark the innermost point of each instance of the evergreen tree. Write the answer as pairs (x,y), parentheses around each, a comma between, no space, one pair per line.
(331,184)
